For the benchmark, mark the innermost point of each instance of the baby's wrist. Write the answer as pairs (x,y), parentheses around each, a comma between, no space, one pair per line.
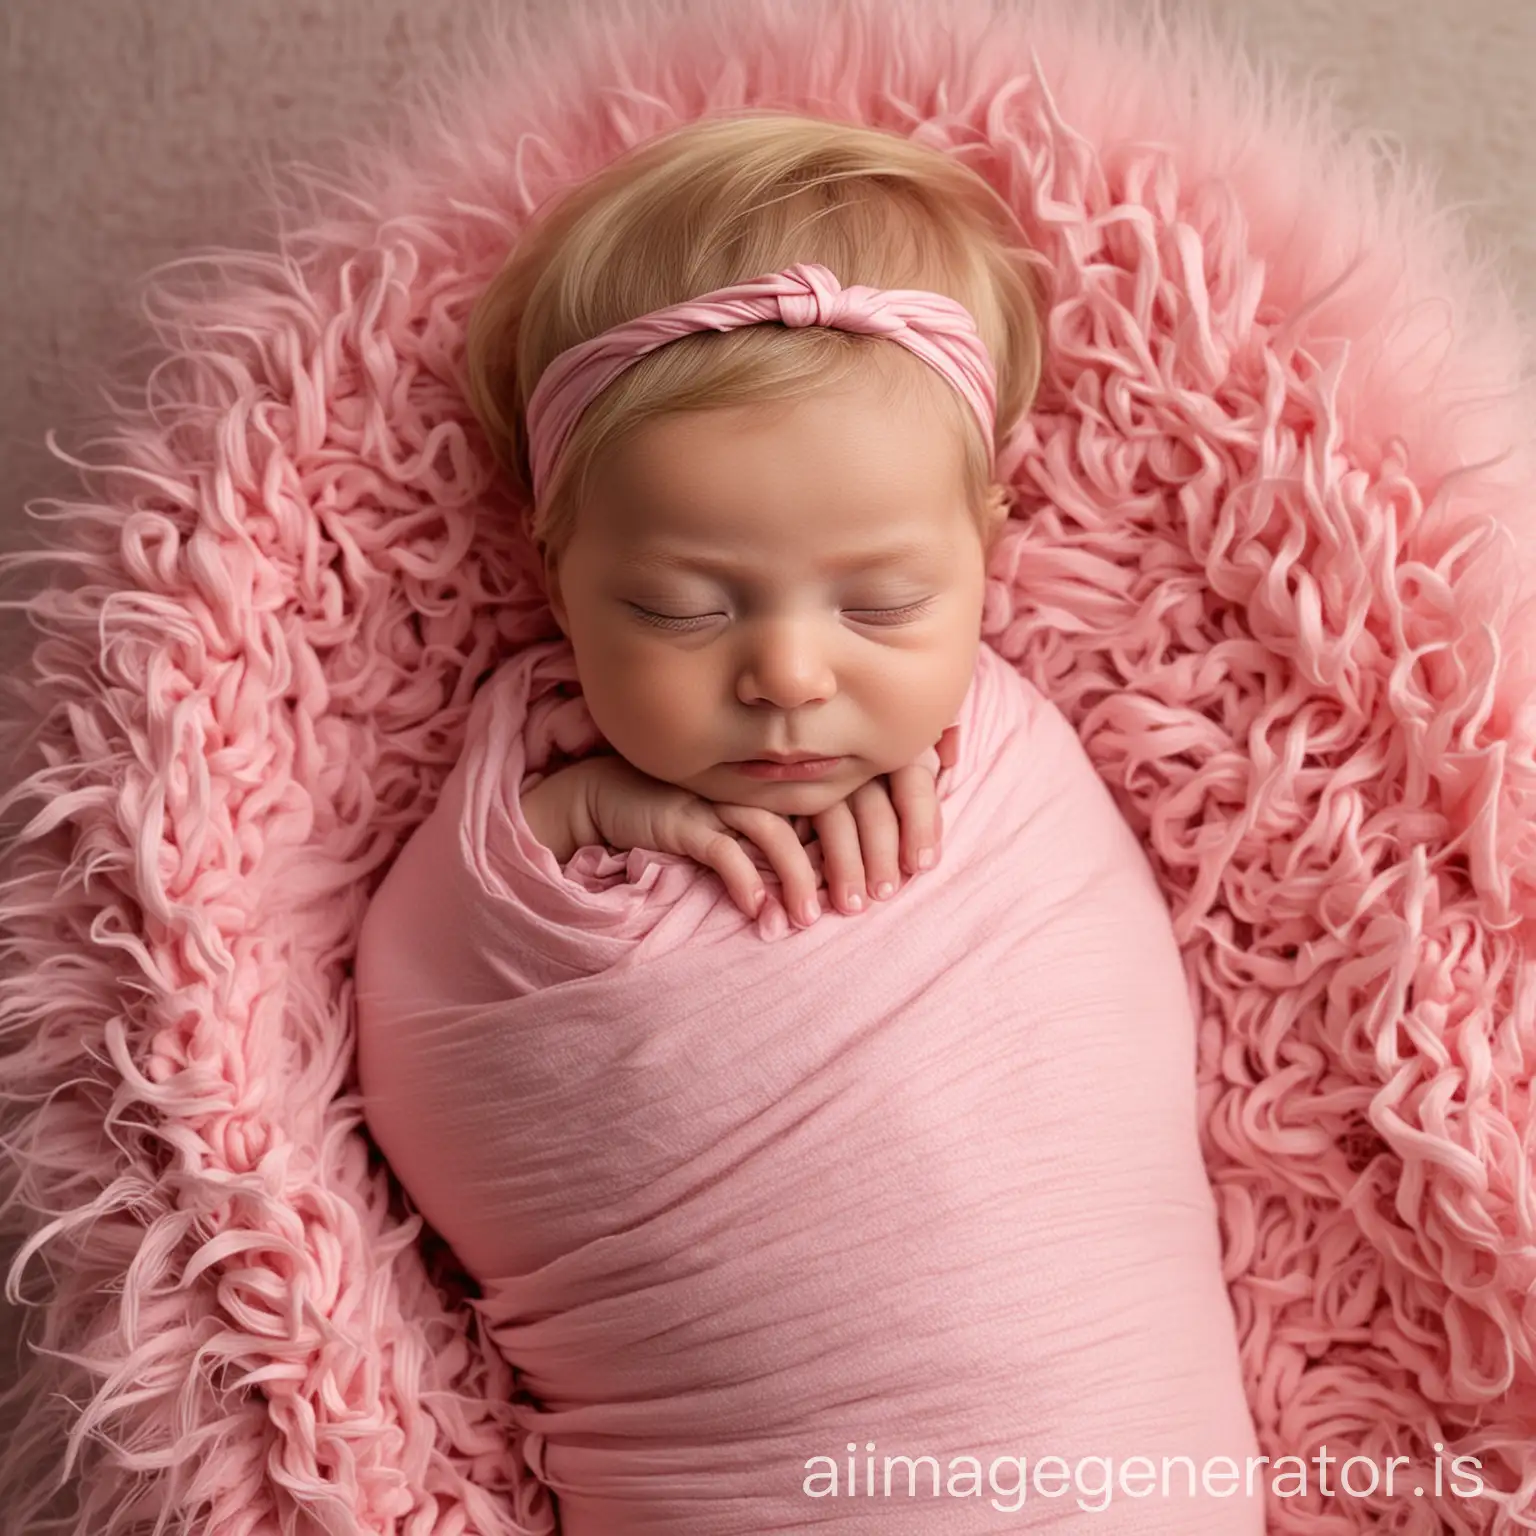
(555,809)
(581,819)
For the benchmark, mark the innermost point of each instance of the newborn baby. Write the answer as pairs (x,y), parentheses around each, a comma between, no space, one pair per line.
(885,1215)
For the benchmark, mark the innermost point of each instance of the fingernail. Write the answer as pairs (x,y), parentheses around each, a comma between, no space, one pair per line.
(811,911)
(925,858)
(884,889)
(855,902)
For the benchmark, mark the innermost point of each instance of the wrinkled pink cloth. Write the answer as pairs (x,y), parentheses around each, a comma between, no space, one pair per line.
(922,1181)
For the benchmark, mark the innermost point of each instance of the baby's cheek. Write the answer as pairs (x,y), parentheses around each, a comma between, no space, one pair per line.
(651,710)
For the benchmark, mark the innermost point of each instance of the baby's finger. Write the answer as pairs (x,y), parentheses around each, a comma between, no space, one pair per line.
(879,837)
(842,860)
(916,798)
(790,860)
(717,848)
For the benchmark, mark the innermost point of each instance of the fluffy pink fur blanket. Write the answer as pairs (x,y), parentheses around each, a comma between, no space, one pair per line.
(739,1195)
(1272,529)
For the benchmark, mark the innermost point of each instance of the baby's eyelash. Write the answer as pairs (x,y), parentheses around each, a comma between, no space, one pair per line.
(910,611)
(667,620)
(684,621)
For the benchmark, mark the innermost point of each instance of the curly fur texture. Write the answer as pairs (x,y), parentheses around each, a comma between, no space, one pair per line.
(1271,554)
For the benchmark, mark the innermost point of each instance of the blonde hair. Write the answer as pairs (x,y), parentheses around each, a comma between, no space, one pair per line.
(717,202)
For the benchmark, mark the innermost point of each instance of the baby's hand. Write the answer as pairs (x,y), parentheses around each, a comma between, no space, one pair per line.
(860,836)
(617,804)
(610,800)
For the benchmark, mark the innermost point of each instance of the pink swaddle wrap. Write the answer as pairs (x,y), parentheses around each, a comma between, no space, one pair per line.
(924,1181)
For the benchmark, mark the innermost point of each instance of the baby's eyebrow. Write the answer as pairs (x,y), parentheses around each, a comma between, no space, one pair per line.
(874,559)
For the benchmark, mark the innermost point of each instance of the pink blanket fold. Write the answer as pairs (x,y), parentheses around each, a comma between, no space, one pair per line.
(920,1182)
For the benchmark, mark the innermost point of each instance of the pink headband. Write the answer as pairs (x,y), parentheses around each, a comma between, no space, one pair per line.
(938,329)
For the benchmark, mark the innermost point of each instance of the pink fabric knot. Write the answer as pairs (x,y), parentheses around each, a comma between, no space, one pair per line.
(824,301)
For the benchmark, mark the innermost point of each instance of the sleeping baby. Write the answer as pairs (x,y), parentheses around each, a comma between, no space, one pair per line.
(811,1180)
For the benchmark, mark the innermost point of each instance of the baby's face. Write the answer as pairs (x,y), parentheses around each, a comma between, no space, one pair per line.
(802,579)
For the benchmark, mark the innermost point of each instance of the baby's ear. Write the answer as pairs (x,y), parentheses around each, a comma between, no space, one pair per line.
(995,511)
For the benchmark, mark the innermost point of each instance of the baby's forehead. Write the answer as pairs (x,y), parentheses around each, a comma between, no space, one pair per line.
(647,553)
(738,535)
(853,451)
(757,504)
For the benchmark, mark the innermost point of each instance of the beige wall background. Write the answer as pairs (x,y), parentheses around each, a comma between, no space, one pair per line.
(129,129)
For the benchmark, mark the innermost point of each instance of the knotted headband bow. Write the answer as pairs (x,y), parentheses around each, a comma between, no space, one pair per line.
(937,329)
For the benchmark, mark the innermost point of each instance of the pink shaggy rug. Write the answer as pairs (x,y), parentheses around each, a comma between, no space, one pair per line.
(1275,524)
